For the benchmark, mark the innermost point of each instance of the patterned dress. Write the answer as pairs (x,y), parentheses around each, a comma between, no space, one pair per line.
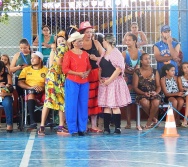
(146,85)
(116,94)
(54,84)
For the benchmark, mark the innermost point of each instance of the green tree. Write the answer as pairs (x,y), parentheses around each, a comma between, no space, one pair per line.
(7,6)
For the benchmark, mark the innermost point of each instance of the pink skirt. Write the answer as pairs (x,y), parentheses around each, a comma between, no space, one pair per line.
(115,95)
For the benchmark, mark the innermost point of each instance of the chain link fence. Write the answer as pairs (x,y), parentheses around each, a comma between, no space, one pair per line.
(104,15)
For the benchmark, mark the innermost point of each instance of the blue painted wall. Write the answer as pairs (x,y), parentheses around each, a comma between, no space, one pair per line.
(174,22)
(26,24)
(184,28)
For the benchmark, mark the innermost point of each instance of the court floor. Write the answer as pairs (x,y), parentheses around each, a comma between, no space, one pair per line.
(130,149)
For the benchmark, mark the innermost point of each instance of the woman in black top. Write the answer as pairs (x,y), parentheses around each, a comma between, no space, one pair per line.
(93,48)
(6,100)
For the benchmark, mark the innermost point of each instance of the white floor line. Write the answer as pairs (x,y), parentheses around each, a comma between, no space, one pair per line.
(28,149)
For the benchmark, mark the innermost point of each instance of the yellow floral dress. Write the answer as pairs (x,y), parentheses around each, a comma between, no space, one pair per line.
(54,84)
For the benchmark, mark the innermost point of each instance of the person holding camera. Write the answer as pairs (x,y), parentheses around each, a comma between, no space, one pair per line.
(6,99)
(32,78)
(20,60)
(146,84)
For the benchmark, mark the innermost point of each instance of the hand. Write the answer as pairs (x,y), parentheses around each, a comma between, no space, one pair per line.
(3,94)
(101,81)
(147,94)
(137,67)
(153,93)
(24,65)
(38,88)
(86,74)
(93,57)
(81,74)
(53,47)
(169,40)
(180,93)
(138,44)
(45,44)
(2,84)
(106,82)
(177,59)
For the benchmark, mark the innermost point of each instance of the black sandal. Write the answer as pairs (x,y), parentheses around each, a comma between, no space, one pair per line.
(41,131)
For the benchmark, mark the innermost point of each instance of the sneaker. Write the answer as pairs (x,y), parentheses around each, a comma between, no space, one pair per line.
(82,133)
(74,134)
(33,126)
(106,131)
(117,131)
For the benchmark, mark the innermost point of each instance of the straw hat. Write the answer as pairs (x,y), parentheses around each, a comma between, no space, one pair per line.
(75,36)
(84,25)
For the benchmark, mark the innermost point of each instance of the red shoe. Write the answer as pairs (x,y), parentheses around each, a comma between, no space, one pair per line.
(95,130)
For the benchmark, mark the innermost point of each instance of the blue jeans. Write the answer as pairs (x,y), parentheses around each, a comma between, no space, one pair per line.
(7,105)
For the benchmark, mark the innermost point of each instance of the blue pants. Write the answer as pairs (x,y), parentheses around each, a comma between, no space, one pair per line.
(7,105)
(76,106)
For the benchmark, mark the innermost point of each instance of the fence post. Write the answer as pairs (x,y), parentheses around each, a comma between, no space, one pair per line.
(114,18)
(26,24)
(40,24)
(184,27)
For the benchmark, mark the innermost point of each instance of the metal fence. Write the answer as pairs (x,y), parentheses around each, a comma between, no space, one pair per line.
(106,16)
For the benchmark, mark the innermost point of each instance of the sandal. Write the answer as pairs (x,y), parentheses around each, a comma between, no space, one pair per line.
(41,131)
(128,127)
(147,127)
(62,131)
(9,128)
(184,125)
(65,129)
(95,130)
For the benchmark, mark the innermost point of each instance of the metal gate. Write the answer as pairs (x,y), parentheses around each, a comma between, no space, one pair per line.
(106,16)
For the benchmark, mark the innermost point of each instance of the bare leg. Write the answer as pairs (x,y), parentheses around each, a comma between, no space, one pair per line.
(61,118)
(186,111)
(153,110)
(128,116)
(180,101)
(1,110)
(45,112)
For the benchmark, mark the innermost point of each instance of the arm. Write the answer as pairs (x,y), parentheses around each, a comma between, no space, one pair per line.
(174,52)
(23,85)
(158,56)
(123,41)
(113,76)
(163,86)
(100,50)
(135,86)
(143,38)
(13,67)
(180,86)
(51,58)
(126,70)
(158,86)
(99,47)
(36,42)
(9,79)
